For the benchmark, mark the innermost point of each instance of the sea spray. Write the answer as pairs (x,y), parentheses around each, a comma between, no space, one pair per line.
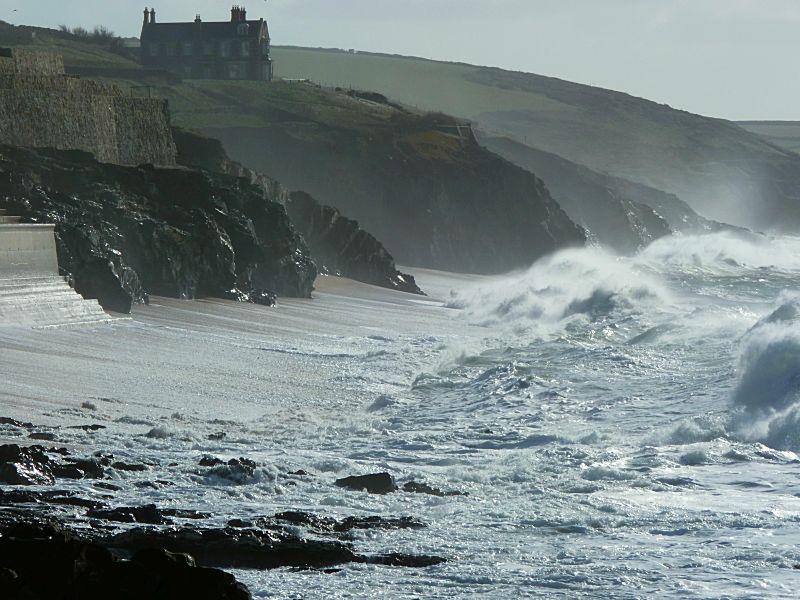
(588,283)
(766,401)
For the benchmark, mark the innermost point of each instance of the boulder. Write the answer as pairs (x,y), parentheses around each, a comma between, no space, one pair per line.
(376,483)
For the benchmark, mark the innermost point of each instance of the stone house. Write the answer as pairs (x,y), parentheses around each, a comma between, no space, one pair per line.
(235,49)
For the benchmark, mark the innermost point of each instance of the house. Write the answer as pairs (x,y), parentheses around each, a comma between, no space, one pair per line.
(235,49)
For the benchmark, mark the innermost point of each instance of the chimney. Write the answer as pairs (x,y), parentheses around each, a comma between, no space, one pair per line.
(234,14)
(152,15)
(197,19)
(243,15)
(146,16)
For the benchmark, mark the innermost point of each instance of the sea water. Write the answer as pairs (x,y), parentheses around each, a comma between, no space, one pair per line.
(624,427)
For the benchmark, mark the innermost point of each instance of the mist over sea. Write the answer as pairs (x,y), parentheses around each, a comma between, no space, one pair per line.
(623,426)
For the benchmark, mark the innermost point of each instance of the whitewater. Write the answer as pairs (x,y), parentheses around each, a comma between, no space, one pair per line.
(623,427)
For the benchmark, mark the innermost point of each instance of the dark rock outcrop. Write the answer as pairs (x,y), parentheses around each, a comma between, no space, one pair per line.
(332,525)
(34,465)
(375,483)
(620,214)
(338,244)
(415,487)
(342,248)
(126,232)
(422,185)
(236,470)
(39,561)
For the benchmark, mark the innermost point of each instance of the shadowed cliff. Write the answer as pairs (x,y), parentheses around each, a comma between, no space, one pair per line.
(338,244)
(419,183)
(618,213)
(125,232)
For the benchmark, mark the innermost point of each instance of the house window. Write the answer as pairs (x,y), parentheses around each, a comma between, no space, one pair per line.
(187,49)
(208,48)
(170,49)
(243,29)
(236,71)
(152,47)
(246,48)
(225,48)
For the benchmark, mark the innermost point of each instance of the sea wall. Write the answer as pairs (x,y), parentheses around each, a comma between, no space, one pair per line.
(42,107)
(27,250)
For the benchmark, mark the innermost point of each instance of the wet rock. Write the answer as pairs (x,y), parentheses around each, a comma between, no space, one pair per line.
(126,232)
(423,488)
(45,436)
(81,468)
(374,522)
(341,247)
(25,466)
(238,548)
(148,514)
(236,470)
(416,561)
(327,524)
(215,437)
(210,461)
(263,297)
(107,486)
(40,560)
(17,497)
(15,423)
(239,523)
(91,427)
(123,466)
(375,483)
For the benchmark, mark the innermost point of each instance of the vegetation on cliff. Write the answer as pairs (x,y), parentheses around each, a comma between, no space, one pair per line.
(721,170)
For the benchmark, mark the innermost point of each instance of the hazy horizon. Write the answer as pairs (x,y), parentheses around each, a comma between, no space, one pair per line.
(712,57)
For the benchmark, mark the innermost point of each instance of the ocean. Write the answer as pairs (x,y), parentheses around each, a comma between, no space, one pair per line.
(617,427)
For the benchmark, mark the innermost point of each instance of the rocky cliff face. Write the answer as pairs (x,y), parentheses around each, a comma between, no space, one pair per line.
(125,232)
(338,244)
(428,191)
(342,248)
(619,214)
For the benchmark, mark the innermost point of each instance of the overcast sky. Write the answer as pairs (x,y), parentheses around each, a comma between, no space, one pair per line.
(728,58)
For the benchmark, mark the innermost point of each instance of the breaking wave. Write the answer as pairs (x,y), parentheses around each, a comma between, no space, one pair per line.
(766,401)
(587,283)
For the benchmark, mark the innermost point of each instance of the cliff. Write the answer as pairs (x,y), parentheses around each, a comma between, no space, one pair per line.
(618,213)
(42,107)
(721,170)
(337,244)
(420,183)
(126,232)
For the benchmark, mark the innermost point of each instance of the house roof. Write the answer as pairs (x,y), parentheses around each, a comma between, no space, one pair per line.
(177,32)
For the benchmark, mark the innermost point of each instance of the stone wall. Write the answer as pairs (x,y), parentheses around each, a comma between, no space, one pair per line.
(42,107)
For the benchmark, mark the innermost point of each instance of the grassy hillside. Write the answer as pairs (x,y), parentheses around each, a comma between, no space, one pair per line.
(721,169)
(426,189)
(785,134)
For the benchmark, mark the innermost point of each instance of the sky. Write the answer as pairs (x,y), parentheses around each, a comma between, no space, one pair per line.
(733,59)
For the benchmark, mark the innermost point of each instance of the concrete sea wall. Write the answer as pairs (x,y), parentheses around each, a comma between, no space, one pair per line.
(40,106)
(27,250)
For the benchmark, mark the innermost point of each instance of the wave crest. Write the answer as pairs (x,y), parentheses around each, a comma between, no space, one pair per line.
(766,400)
